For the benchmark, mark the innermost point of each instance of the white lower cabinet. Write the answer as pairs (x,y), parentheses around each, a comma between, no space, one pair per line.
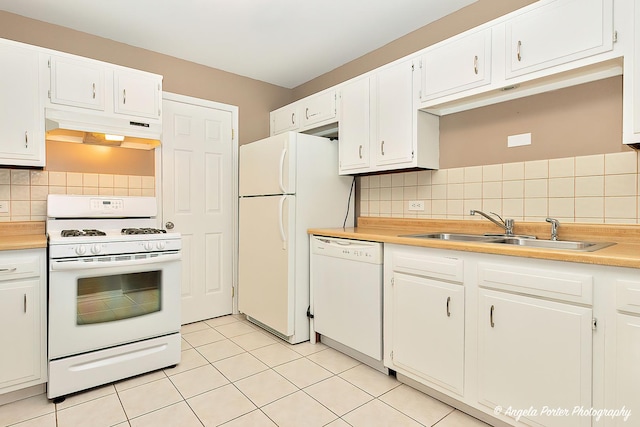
(424,315)
(23,319)
(534,353)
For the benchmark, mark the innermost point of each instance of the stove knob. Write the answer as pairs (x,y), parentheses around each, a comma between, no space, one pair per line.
(81,250)
(148,245)
(161,245)
(95,249)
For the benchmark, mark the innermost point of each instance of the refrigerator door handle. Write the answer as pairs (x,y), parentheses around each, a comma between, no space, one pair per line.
(281,171)
(280,213)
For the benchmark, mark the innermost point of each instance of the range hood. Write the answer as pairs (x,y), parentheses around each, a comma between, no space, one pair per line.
(86,128)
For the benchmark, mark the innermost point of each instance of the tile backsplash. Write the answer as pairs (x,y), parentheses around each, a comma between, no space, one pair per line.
(589,189)
(26,190)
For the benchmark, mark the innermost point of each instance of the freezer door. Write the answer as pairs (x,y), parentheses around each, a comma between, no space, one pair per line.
(267,166)
(266,261)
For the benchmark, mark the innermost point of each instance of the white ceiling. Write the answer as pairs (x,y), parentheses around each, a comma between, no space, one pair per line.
(284,42)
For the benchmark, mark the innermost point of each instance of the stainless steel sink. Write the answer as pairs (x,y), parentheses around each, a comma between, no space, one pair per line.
(516,240)
(556,244)
(456,237)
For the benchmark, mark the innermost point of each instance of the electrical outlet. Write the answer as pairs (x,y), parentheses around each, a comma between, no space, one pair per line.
(416,205)
(4,206)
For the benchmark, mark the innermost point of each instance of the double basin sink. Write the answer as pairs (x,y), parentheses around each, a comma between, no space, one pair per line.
(524,241)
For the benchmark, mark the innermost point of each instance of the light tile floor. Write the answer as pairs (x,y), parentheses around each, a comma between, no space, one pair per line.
(235,374)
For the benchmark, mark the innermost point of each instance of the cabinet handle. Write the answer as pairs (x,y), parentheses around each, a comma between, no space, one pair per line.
(26,139)
(382,148)
(25,303)
(293,118)
(491,317)
(124,96)
(448,302)
(518,51)
(94,91)
(8,270)
(360,151)
(306,113)
(475,64)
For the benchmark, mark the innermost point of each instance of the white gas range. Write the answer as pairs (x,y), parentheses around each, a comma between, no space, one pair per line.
(114,291)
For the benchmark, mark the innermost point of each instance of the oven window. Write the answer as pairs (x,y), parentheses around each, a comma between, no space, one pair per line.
(121,296)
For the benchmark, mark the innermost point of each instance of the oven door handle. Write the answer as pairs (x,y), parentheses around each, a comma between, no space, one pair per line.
(81,265)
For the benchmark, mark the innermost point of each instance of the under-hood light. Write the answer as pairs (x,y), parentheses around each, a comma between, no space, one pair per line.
(118,138)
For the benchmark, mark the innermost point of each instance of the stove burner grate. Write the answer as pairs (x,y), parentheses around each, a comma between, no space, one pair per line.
(85,232)
(143,231)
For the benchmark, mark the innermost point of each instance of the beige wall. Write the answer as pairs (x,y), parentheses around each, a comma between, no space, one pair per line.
(254,98)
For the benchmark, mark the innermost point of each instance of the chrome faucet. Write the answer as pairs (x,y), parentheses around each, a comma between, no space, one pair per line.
(554,227)
(506,224)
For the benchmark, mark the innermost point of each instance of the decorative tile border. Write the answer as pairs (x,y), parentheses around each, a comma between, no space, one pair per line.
(600,188)
(27,190)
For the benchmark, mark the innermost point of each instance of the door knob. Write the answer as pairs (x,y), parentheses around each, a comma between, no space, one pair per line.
(169,225)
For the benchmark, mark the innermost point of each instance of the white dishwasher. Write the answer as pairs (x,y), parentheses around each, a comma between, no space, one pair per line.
(346,297)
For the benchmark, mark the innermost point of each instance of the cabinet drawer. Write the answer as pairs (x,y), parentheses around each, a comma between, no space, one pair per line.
(437,267)
(12,268)
(628,296)
(550,283)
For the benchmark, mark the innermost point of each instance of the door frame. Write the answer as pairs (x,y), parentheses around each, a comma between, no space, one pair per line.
(234,177)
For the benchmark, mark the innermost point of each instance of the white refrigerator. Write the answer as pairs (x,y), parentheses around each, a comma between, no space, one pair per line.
(288,183)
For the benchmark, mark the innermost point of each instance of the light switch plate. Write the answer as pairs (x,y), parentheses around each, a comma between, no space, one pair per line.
(519,140)
(4,206)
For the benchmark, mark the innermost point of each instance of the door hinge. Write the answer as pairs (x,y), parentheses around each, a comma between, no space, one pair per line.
(594,324)
(233,291)
(615,36)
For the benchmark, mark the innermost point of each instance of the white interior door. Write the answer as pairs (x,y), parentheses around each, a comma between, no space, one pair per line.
(198,198)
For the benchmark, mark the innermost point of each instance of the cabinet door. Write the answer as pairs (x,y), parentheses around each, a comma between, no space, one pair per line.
(394,114)
(20,336)
(284,119)
(457,66)
(137,94)
(77,83)
(534,353)
(557,33)
(354,126)
(21,118)
(318,108)
(428,329)
(627,367)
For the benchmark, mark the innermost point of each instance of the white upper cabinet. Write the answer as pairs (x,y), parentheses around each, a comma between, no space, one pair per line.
(284,119)
(318,108)
(21,106)
(136,94)
(77,83)
(99,88)
(393,112)
(355,122)
(455,66)
(561,32)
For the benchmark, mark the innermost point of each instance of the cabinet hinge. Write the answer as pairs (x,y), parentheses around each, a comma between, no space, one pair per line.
(49,93)
(392,355)
(49,63)
(412,155)
(233,134)
(615,36)
(392,283)
(158,86)
(233,291)
(159,112)
(594,324)
(413,66)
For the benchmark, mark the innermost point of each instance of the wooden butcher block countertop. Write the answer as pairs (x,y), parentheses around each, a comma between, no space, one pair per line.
(625,252)
(22,235)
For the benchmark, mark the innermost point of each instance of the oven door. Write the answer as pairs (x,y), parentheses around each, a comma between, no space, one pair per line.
(107,301)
